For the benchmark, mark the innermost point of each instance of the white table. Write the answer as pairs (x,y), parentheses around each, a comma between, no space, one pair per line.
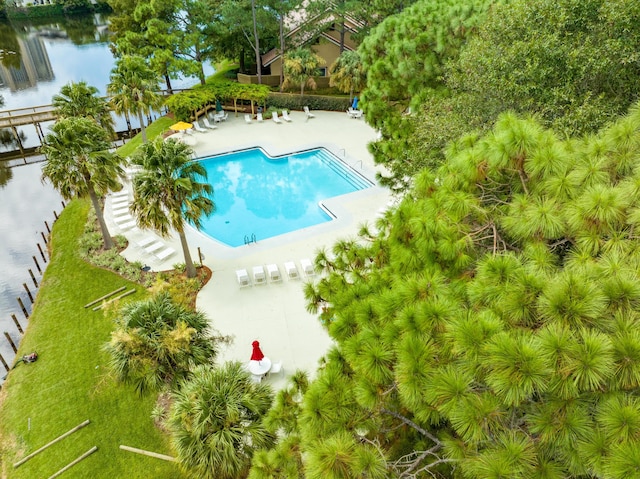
(260,368)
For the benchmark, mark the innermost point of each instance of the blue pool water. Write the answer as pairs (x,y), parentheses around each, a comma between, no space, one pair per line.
(258,196)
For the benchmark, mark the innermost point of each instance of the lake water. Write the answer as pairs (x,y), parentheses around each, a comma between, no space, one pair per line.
(45,57)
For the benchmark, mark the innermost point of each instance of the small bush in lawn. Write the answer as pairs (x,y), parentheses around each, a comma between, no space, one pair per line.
(180,267)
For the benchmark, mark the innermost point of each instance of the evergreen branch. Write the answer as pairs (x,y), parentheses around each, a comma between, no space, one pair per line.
(412,424)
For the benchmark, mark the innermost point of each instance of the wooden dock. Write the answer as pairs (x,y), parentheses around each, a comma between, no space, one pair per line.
(27,116)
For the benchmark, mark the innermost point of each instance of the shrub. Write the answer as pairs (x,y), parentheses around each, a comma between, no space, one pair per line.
(291,101)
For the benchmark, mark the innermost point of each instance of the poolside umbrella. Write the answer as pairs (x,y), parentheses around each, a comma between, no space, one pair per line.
(256,355)
(181,126)
(354,105)
(218,106)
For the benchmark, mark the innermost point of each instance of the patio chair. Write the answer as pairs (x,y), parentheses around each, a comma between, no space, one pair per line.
(259,117)
(258,275)
(354,113)
(243,278)
(275,118)
(274,273)
(223,115)
(143,243)
(152,248)
(308,113)
(292,271)
(307,267)
(165,253)
(247,118)
(285,116)
(198,128)
(208,125)
(276,368)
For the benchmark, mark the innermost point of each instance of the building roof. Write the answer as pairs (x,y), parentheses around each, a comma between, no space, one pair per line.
(322,23)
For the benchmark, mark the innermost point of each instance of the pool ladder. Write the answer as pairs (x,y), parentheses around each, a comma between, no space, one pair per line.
(250,239)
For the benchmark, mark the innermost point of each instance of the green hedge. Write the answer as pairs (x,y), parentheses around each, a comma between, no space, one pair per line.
(292,101)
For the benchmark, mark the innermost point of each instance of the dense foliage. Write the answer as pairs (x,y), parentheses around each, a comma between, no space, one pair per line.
(157,343)
(490,327)
(404,60)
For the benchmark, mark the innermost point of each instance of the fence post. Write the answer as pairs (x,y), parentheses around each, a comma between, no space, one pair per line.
(4,363)
(33,278)
(15,320)
(24,310)
(44,258)
(13,345)
(26,288)
(44,238)
(37,265)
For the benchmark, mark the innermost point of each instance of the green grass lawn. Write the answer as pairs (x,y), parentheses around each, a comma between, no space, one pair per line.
(70,381)
(156,128)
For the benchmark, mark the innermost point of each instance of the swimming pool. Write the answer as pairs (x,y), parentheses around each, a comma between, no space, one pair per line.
(258,196)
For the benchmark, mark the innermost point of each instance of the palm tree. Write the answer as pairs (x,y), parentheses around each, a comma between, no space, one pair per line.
(79,164)
(134,89)
(299,67)
(79,99)
(167,192)
(347,73)
(158,342)
(216,422)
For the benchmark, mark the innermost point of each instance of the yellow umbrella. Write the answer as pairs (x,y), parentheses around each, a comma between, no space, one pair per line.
(181,126)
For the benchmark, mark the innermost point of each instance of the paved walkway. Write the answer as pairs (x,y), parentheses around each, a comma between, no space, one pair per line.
(275,313)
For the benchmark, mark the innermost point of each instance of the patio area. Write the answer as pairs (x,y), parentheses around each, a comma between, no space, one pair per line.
(274,313)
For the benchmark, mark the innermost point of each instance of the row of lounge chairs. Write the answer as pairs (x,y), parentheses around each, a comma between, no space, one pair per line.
(276,118)
(124,221)
(273,274)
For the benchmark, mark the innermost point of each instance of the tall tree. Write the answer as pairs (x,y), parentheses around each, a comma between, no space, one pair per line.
(404,58)
(82,100)
(134,89)
(157,343)
(347,73)
(170,192)
(216,422)
(79,164)
(572,63)
(299,67)
(488,328)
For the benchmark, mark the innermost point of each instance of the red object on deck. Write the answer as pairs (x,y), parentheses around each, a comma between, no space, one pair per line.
(256,355)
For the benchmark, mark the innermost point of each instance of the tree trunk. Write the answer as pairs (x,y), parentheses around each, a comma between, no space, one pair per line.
(142,128)
(257,42)
(342,36)
(281,51)
(241,66)
(167,80)
(191,269)
(108,241)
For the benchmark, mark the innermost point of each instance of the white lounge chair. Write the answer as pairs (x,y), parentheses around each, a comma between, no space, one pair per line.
(308,113)
(274,273)
(307,267)
(258,275)
(120,194)
(145,241)
(243,278)
(120,201)
(275,118)
(198,128)
(127,225)
(247,118)
(121,212)
(208,125)
(123,219)
(259,117)
(152,248)
(285,115)
(292,271)
(165,253)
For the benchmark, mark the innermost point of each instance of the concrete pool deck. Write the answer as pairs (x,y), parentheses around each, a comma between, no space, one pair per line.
(274,313)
